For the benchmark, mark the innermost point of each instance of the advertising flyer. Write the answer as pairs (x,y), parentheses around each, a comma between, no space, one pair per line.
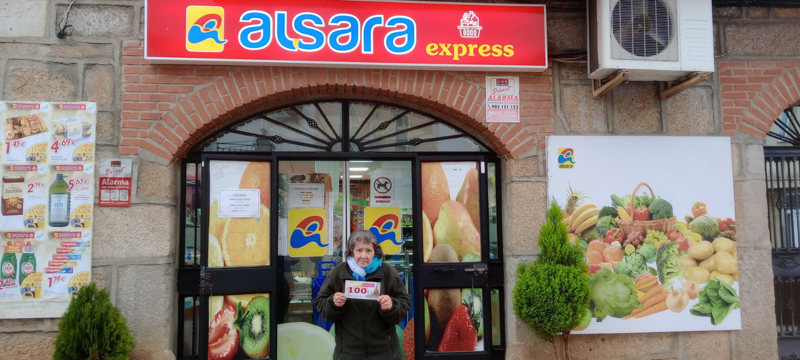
(114,182)
(238,233)
(47,206)
(658,229)
(502,99)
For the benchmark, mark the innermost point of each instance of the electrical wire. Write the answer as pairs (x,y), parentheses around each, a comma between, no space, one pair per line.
(66,29)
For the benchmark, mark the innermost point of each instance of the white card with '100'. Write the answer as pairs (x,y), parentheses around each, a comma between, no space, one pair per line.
(366,290)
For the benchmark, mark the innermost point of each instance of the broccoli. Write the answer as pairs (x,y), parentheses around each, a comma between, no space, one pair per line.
(660,209)
(607,211)
(603,225)
(667,262)
(648,251)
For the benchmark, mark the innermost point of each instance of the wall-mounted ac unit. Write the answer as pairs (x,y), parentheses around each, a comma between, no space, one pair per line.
(652,40)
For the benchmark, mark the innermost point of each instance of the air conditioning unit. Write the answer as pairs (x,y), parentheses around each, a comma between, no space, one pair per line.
(651,40)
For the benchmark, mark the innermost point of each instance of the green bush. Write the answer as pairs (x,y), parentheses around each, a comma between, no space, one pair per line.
(92,328)
(552,294)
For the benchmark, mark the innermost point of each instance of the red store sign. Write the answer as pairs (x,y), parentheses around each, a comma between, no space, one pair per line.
(367,34)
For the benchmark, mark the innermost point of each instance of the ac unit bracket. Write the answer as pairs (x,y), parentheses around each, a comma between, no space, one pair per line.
(600,88)
(670,89)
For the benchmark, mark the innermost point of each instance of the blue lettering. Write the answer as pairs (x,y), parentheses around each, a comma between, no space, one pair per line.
(283,38)
(262,30)
(408,35)
(368,32)
(300,27)
(351,32)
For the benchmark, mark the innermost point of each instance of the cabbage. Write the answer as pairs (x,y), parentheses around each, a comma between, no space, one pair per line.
(706,226)
(649,252)
(612,295)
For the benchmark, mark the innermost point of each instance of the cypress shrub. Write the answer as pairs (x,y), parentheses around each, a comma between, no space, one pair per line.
(552,293)
(92,328)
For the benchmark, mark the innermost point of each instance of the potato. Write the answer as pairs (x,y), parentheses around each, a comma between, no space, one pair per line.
(722,277)
(701,250)
(722,244)
(726,263)
(686,261)
(696,273)
(736,277)
(709,264)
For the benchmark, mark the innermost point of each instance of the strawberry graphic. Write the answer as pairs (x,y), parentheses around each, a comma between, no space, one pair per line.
(408,340)
(460,333)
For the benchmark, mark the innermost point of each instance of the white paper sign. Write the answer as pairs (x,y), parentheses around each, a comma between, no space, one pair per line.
(365,290)
(302,196)
(502,99)
(382,188)
(239,203)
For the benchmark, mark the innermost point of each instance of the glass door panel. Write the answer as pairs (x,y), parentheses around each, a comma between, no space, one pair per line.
(310,243)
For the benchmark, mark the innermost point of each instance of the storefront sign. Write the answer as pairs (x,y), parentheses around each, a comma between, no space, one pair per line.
(384,223)
(115,182)
(376,34)
(502,99)
(47,206)
(659,237)
(307,232)
(239,203)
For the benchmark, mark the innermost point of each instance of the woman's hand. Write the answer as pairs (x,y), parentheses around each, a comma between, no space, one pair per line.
(339,299)
(386,302)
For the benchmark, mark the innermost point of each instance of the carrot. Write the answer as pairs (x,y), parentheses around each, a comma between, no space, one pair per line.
(652,292)
(652,310)
(655,300)
(648,304)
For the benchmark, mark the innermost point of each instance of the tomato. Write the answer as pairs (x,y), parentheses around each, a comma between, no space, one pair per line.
(675,235)
(223,338)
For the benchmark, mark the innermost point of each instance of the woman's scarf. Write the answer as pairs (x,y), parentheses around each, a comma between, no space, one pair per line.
(361,274)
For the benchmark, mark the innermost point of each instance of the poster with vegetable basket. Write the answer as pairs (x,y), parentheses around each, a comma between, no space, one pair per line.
(655,217)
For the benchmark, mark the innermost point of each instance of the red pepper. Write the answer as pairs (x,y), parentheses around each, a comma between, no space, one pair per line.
(727,224)
(614,235)
(641,213)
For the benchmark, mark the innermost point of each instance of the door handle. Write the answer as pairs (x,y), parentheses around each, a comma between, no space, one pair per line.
(478,269)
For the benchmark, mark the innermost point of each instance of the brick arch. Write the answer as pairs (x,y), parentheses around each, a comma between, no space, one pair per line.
(754,93)
(166,117)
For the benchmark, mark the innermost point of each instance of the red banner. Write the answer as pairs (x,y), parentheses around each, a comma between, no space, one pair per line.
(456,36)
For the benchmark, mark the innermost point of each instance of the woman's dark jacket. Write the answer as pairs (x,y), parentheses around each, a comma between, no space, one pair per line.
(363,330)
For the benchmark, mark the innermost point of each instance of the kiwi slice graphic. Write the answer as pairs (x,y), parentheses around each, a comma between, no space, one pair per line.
(253,326)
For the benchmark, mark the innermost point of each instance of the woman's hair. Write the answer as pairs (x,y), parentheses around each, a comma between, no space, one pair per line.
(364,237)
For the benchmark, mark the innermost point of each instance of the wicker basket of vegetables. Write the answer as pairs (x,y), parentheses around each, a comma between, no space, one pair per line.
(657,216)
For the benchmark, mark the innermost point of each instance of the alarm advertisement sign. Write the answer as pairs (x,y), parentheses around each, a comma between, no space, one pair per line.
(115,182)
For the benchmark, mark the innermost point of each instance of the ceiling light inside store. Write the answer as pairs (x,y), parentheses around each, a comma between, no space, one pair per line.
(356,176)
(360,161)
(359,168)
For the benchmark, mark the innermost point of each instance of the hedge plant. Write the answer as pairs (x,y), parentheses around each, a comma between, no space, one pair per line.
(552,293)
(92,328)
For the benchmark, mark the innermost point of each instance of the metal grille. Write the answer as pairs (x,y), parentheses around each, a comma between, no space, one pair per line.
(644,28)
(782,169)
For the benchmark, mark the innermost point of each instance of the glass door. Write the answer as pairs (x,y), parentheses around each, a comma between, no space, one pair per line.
(460,281)
(319,204)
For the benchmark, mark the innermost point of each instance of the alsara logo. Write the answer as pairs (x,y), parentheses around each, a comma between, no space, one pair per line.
(566,158)
(308,231)
(384,229)
(205,30)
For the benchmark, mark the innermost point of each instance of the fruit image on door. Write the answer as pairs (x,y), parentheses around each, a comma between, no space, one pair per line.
(453,321)
(450,212)
(239,241)
(239,327)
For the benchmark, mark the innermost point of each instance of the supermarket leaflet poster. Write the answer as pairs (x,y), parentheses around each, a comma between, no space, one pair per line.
(47,205)
(665,258)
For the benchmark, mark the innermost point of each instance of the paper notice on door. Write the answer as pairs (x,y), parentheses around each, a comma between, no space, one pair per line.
(306,196)
(239,203)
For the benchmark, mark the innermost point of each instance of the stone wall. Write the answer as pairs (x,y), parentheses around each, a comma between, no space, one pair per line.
(154,114)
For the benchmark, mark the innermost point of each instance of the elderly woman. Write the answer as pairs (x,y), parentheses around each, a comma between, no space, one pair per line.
(365,329)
